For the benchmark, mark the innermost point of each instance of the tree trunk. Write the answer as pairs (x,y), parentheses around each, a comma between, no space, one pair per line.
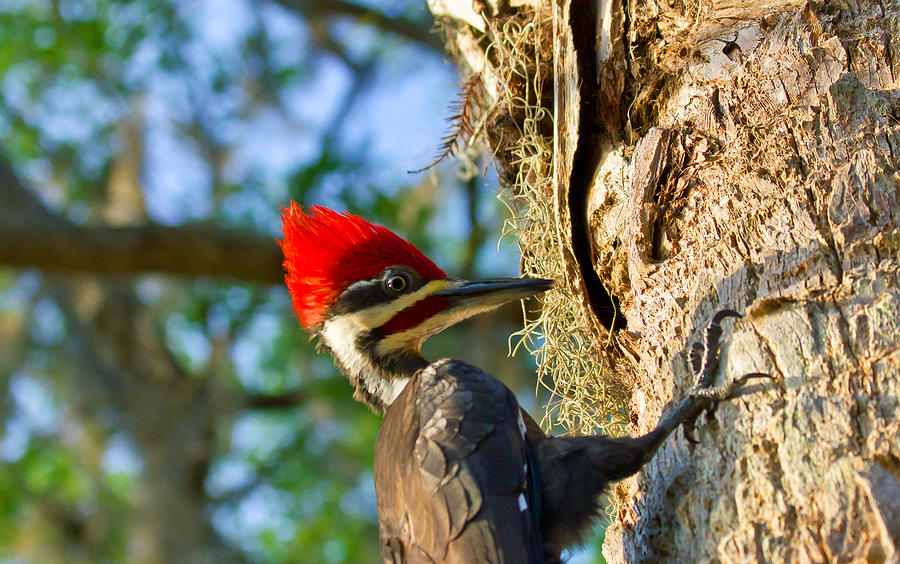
(703,156)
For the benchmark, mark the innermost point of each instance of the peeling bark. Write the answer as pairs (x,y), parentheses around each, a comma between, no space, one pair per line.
(748,160)
(787,207)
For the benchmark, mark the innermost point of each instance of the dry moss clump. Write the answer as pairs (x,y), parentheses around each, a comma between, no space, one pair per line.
(517,59)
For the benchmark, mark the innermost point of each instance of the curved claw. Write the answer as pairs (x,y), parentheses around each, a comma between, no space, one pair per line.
(705,358)
(711,396)
(724,314)
(737,386)
(727,390)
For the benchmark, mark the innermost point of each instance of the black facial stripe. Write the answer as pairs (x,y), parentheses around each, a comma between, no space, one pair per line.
(395,362)
(370,293)
(360,296)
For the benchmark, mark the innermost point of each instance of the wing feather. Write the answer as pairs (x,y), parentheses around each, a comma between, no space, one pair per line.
(459,498)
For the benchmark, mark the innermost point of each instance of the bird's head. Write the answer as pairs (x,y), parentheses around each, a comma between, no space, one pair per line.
(372,298)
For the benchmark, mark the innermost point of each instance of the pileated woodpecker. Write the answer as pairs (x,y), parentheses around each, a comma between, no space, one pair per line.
(462,473)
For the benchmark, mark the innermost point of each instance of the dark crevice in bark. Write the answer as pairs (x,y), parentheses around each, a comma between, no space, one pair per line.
(662,199)
(583,21)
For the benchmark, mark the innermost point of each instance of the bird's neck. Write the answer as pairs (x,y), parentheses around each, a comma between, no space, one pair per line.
(378,376)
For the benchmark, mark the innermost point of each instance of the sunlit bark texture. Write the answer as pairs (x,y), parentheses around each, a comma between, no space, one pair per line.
(703,156)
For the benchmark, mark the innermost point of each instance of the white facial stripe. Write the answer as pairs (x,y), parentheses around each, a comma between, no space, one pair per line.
(341,332)
(414,336)
(393,389)
(379,315)
(340,335)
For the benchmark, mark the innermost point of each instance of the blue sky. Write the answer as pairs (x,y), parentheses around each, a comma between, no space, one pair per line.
(399,124)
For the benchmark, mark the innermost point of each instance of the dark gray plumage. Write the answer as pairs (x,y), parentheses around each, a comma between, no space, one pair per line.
(462,473)
(463,496)
(485,484)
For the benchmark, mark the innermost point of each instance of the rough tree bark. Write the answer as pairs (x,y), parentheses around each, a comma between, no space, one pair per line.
(729,154)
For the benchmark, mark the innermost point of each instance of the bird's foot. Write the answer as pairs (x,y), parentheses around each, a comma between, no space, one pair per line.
(704,358)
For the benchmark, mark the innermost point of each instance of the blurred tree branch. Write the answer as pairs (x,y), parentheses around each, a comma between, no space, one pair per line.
(412,30)
(281,401)
(182,250)
(18,203)
(147,387)
(31,235)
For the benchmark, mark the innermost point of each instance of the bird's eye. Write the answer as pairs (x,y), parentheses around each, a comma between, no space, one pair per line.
(396,283)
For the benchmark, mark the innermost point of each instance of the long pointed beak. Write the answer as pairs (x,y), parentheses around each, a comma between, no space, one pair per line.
(458,300)
(480,294)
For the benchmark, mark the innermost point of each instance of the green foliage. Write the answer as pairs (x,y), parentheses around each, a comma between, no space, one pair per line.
(177,112)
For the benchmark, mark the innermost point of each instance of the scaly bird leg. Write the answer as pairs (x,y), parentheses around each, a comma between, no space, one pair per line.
(704,359)
(575,470)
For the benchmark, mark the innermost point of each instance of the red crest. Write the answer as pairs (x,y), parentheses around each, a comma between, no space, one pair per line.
(326,251)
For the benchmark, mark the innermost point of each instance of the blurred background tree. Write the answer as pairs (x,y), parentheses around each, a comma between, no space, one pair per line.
(160,403)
